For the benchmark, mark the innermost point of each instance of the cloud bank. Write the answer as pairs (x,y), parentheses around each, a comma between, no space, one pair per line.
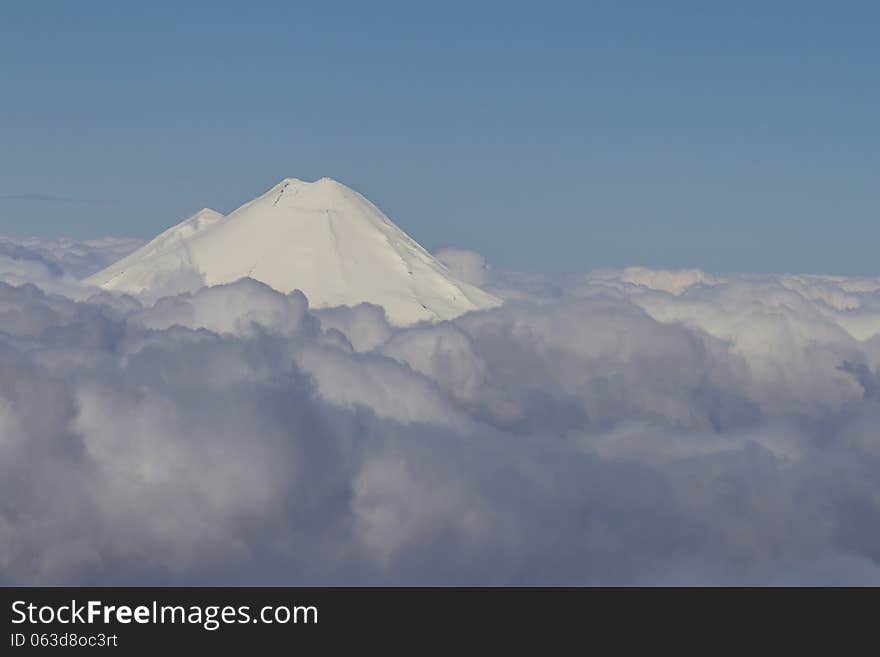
(58,264)
(614,427)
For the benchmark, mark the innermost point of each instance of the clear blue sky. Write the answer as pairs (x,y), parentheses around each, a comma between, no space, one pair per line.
(733,136)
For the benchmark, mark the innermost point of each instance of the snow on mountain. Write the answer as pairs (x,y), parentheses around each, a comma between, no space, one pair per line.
(319,237)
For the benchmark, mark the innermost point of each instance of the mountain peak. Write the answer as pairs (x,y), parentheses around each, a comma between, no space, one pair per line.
(207,212)
(320,182)
(320,237)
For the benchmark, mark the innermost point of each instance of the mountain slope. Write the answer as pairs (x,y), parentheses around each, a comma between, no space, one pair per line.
(321,237)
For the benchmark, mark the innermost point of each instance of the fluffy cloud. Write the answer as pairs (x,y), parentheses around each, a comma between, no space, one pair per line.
(630,427)
(468,266)
(58,265)
(77,258)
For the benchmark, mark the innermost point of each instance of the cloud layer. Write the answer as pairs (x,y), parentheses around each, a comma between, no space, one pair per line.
(616,427)
(58,264)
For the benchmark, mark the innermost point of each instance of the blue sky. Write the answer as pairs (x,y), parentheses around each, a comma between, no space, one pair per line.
(736,136)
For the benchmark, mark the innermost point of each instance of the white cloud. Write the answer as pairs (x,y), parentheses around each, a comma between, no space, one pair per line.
(468,266)
(58,265)
(610,427)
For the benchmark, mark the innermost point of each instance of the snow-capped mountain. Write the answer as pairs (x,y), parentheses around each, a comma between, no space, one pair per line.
(319,237)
